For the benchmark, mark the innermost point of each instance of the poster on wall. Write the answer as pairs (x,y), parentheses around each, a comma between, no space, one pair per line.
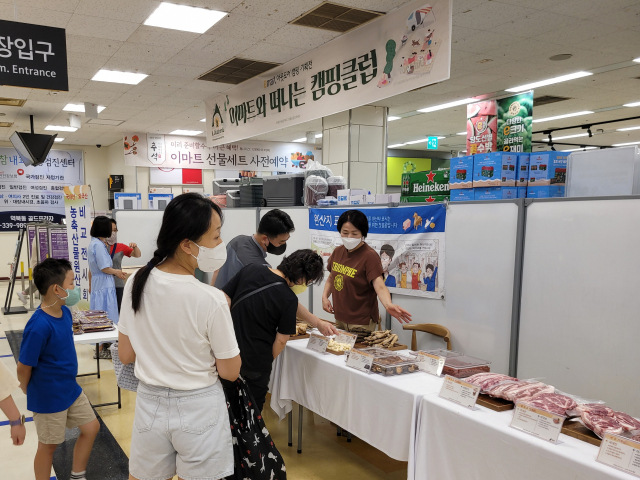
(159,201)
(42,234)
(77,206)
(515,123)
(34,194)
(409,240)
(127,201)
(143,150)
(397,166)
(406,49)
(58,243)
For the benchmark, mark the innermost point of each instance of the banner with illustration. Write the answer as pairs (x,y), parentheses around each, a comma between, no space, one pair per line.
(409,240)
(515,122)
(176,152)
(406,49)
(77,203)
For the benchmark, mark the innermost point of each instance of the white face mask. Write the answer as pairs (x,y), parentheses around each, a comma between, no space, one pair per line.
(113,238)
(211,259)
(351,243)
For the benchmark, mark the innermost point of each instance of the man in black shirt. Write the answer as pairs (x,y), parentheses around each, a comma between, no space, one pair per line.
(263,305)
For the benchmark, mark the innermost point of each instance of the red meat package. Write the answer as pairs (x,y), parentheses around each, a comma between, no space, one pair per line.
(553,402)
(487,380)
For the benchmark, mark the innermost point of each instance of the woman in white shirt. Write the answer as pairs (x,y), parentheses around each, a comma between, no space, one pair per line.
(180,333)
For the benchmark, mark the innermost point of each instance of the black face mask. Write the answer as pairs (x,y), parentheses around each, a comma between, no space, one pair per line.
(273,250)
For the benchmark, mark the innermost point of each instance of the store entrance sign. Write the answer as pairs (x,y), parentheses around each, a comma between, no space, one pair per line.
(432,143)
(33,56)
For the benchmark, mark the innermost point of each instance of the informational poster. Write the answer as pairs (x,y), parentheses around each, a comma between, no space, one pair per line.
(31,235)
(159,201)
(77,203)
(34,194)
(43,243)
(482,127)
(144,150)
(515,122)
(127,201)
(58,243)
(406,49)
(409,240)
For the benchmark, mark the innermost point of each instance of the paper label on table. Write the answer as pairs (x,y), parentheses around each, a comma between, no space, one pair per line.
(318,343)
(346,337)
(360,360)
(537,422)
(430,363)
(621,453)
(460,392)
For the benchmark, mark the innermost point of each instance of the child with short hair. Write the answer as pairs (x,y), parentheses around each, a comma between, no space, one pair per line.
(47,370)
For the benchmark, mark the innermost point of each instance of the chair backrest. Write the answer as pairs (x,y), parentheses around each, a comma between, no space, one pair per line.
(431,328)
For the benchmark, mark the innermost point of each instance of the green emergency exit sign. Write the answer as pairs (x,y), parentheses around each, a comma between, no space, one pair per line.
(432,143)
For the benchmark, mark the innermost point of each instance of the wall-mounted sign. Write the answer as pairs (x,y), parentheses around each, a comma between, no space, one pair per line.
(432,143)
(175,176)
(403,50)
(33,56)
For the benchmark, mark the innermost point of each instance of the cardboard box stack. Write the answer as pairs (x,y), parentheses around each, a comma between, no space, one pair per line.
(461,179)
(547,174)
(430,186)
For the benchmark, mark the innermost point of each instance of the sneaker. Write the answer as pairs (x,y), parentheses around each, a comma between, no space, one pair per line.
(22,297)
(105,354)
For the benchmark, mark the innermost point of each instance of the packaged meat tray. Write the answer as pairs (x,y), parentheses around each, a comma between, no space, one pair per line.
(463,366)
(393,365)
(553,402)
(441,352)
(486,381)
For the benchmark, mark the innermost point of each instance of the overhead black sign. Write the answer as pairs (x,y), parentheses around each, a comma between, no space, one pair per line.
(33,56)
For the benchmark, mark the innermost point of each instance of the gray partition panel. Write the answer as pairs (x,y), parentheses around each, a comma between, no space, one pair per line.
(579,321)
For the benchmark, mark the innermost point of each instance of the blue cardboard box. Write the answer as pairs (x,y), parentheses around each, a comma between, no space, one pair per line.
(496,169)
(522,171)
(509,192)
(545,191)
(547,168)
(488,193)
(461,194)
(522,192)
(461,173)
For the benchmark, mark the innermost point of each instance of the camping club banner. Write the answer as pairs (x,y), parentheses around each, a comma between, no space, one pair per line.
(503,125)
(174,151)
(409,240)
(403,50)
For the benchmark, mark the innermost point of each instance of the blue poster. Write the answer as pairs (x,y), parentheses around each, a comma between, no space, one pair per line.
(409,239)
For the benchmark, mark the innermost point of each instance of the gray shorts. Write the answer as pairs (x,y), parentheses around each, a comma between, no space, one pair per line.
(181,432)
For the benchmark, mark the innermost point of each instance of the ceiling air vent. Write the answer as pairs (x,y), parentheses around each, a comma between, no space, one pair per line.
(237,70)
(547,99)
(12,102)
(336,18)
(5,124)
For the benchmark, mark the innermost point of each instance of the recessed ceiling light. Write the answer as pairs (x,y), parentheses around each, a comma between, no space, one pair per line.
(567,136)
(461,133)
(299,140)
(549,81)
(625,144)
(183,17)
(58,139)
(397,145)
(558,117)
(391,118)
(637,59)
(422,140)
(464,101)
(581,148)
(318,135)
(79,108)
(186,132)
(60,128)
(203,120)
(560,57)
(634,104)
(114,76)
(626,129)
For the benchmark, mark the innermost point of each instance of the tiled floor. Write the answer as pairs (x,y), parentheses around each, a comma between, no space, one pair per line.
(324,456)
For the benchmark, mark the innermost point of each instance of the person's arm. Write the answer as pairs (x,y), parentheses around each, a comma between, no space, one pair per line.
(112,271)
(326,303)
(228,300)
(89,280)
(385,297)
(306,316)
(105,263)
(136,253)
(9,408)
(229,368)
(125,349)
(24,375)
(279,344)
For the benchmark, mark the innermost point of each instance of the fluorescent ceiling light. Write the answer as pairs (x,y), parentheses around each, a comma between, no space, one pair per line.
(397,145)
(391,118)
(558,117)
(79,108)
(183,17)
(318,135)
(440,138)
(464,101)
(299,140)
(625,144)
(634,104)
(549,81)
(422,140)
(567,136)
(58,139)
(203,120)
(637,59)
(60,128)
(461,133)
(581,148)
(626,129)
(114,76)
(186,132)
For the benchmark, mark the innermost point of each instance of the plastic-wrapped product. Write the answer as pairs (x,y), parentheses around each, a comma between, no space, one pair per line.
(464,366)
(335,184)
(601,424)
(487,380)
(627,422)
(315,188)
(317,169)
(553,402)
(595,408)
(527,391)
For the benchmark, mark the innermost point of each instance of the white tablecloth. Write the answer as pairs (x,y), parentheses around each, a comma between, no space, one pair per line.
(96,337)
(454,443)
(379,410)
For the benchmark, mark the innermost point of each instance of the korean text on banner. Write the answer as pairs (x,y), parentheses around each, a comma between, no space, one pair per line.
(482,126)
(77,207)
(409,240)
(403,50)
(173,151)
(515,121)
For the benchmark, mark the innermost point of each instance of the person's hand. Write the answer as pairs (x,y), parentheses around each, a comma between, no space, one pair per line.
(399,313)
(18,432)
(121,275)
(327,329)
(326,305)
(133,245)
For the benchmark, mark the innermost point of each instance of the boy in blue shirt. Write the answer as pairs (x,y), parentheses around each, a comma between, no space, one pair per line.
(47,370)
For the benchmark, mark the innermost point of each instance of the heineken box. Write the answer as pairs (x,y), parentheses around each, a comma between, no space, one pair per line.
(434,182)
(423,199)
(497,169)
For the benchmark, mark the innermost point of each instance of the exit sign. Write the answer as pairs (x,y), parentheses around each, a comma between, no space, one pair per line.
(432,143)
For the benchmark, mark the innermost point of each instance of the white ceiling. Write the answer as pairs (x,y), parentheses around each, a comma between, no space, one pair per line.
(518,36)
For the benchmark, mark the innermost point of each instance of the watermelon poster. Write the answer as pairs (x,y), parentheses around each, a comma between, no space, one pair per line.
(482,125)
(515,120)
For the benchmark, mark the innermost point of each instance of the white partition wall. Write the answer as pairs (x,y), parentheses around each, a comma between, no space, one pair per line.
(580,316)
(141,227)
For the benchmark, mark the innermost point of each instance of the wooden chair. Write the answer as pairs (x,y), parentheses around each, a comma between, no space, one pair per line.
(431,328)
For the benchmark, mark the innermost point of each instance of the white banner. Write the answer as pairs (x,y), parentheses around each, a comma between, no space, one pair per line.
(34,194)
(174,151)
(77,204)
(401,51)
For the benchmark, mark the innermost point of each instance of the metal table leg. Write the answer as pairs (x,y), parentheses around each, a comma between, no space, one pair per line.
(290,427)
(300,409)
(339,432)
(98,358)
(349,437)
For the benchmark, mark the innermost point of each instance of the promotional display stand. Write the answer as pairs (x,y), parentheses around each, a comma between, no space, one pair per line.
(8,309)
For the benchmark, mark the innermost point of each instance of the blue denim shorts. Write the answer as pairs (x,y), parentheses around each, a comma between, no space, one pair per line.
(183,432)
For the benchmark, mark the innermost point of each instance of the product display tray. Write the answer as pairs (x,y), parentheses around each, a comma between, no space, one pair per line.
(495,404)
(395,348)
(335,352)
(575,429)
(298,337)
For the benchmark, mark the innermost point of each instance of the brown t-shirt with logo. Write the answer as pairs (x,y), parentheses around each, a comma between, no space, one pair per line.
(352,273)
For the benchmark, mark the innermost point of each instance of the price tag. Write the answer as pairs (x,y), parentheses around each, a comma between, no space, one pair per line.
(460,392)
(318,343)
(537,422)
(621,453)
(346,337)
(430,363)
(360,360)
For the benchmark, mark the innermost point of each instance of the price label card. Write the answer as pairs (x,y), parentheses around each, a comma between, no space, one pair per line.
(621,453)
(460,392)
(537,422)
(429,363)
(318,343)
(360,360)
(346,337)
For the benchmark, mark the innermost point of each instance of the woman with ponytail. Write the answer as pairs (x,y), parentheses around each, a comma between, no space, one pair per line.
(180,333)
